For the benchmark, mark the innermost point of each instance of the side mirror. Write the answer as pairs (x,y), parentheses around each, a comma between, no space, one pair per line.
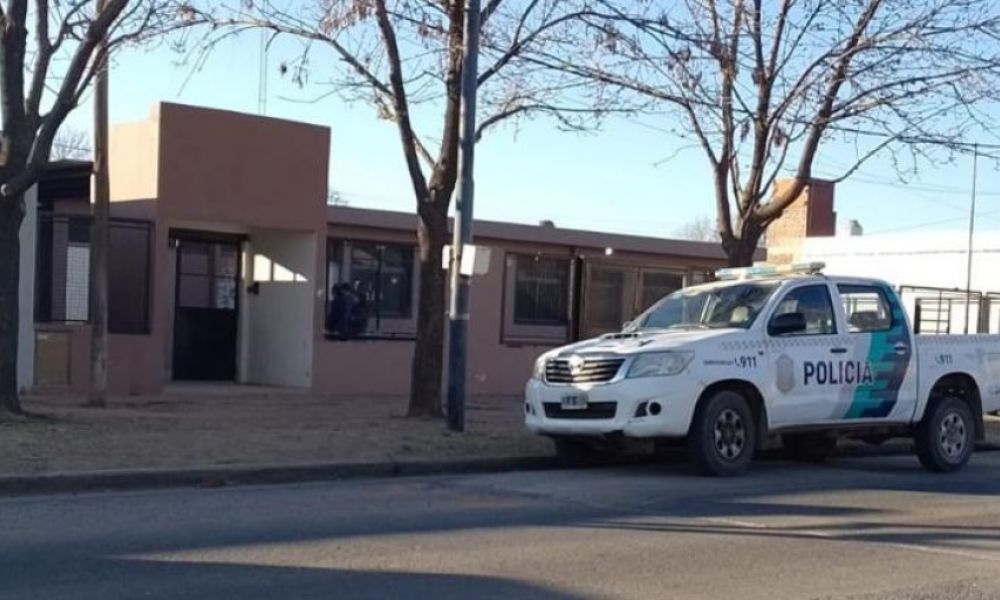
(787,324)
(627,325)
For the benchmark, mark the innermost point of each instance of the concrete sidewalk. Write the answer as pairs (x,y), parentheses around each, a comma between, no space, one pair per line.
(240,426)
(215,436)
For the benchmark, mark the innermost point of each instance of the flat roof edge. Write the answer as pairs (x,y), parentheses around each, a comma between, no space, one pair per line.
(403,221)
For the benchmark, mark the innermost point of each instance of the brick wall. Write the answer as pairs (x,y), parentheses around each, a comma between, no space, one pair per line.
(812,215)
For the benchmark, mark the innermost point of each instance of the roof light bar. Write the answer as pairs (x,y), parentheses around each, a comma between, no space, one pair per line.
(810,268)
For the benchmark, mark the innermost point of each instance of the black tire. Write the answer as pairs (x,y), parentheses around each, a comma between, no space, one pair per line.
(576,452)
(723,435)
(809,447)
(945,437)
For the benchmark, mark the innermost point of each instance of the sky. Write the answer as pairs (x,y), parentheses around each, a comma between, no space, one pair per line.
(629,177)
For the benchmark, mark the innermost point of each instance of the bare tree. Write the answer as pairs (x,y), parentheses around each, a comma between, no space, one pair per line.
(42,78)
(701,229)
(404,59)
(71,144)
(762,87)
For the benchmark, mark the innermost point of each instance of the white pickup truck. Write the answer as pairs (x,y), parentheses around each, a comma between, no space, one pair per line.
(768,351)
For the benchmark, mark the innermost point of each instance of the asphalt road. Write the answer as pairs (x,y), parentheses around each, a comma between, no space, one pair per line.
(865,528)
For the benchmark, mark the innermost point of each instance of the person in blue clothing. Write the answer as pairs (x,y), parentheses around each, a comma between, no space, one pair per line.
(357,318)
(342,307)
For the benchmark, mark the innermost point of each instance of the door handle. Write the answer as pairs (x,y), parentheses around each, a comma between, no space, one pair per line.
(901,348)
(838,350)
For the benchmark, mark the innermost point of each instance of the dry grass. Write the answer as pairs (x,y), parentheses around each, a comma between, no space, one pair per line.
(196,426)
(234,425)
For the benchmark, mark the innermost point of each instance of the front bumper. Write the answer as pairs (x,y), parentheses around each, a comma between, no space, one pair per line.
(676,395)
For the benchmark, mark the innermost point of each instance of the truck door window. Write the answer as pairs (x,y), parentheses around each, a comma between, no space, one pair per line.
(813,301)
(866,308)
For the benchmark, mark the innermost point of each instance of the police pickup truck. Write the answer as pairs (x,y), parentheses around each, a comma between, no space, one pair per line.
(767,351)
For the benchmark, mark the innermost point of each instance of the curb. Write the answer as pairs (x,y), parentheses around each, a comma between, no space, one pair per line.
(212,477)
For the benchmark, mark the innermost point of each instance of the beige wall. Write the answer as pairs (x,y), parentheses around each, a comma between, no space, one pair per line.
(133,359)
(133,160)
(237,169)
(381,367)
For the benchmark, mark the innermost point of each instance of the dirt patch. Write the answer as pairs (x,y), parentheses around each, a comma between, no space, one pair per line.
(200,426)
(236,425)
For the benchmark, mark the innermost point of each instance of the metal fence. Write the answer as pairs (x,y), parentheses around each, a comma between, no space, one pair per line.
(942,311)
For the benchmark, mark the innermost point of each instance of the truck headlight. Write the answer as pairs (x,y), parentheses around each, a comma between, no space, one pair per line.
(660,364)
(539,371)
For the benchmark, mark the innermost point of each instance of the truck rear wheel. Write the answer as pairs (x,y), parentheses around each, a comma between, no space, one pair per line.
(722,437)
(945,436)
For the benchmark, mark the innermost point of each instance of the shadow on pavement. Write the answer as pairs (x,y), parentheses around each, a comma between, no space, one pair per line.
(64,545)
(99,579)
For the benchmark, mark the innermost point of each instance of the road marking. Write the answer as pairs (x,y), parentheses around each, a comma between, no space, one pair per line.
(742,524)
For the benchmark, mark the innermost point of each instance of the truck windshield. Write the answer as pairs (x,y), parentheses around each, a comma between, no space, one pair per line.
(727,306)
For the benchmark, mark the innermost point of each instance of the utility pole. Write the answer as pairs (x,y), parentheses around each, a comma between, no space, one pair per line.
(262,75)
(458,310)
(99,240)
(972,230)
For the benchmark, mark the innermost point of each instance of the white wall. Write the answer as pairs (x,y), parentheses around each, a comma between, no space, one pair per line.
(278,322)
(26,293)
(935,259)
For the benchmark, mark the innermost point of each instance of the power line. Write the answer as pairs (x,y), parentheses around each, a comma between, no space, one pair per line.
(930,223)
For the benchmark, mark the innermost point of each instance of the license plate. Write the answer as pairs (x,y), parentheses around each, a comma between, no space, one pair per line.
(574,402)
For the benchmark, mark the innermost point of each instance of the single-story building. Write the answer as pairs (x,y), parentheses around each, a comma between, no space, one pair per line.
(227,264)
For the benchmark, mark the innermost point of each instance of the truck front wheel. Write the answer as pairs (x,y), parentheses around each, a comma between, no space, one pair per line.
(944,438)
(722,437)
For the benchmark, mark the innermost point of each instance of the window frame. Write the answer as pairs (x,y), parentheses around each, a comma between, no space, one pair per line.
(565,293)
(145,327)
(72,225)
(338,251)
(579,299)
(513,333)
(880,292)
(634,273)
(644,270)
(834,315)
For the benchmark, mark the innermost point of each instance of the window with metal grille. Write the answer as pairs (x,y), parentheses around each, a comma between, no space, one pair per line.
(62,272)
(541,291)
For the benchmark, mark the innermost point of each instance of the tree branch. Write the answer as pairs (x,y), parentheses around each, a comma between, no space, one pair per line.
(400,103)
(446,167)
(488,10)
(66,97)
(779,203)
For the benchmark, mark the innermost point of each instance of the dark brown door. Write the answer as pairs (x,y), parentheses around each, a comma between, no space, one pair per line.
(206,315)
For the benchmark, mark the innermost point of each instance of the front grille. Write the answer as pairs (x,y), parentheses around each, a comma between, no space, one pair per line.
(594,370)
(594,410)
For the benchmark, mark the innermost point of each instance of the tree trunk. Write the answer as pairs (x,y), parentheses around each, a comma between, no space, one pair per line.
(740,252)
(11,215)
(428,352)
